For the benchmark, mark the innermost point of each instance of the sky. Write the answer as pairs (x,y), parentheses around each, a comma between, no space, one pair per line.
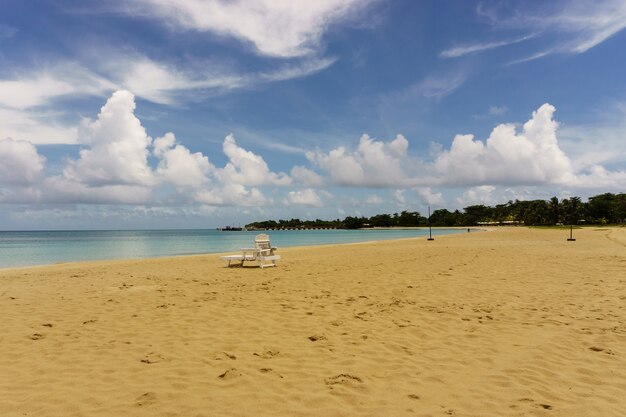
(208,113)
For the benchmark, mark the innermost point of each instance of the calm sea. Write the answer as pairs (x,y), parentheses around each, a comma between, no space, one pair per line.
(49,247)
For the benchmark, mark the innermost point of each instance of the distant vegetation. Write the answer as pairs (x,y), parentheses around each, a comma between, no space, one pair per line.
(600,209)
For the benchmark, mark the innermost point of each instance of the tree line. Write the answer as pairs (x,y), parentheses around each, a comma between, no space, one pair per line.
(604,208)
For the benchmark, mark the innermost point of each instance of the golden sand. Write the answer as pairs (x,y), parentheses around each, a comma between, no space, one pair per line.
(514,322)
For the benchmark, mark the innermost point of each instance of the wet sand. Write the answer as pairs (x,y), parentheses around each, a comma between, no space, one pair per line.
(513,322)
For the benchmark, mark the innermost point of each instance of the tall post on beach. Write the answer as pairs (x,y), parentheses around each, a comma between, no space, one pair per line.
(570,238)
(430,226)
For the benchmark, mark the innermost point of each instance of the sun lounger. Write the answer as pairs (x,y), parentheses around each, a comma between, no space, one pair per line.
(262,252)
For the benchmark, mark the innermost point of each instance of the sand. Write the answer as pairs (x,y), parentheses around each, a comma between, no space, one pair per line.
(514,322)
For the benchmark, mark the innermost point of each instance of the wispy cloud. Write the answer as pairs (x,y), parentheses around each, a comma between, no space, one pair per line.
(474,48)
(571,27)
(274,28)
(498,110)
(439,86)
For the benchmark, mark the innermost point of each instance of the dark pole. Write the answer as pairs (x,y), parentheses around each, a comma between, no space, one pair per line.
(571,227)
(430,227)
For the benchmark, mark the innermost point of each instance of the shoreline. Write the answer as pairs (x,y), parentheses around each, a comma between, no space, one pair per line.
(227,252)
(519,322)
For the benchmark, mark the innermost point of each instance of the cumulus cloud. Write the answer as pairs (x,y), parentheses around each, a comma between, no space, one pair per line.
(596,176)
(274,28)
(232,195)
(20,163)
(373,164)
(477,195)
(306,177)
(246,168)
(117,152)
(506,157)
(178,165)
(430,197)
(59,189)
(114,167)
(306,197)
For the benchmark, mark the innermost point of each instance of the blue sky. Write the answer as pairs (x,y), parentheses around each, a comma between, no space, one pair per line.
(192,113)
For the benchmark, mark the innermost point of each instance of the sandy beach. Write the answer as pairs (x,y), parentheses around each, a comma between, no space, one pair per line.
(511,322)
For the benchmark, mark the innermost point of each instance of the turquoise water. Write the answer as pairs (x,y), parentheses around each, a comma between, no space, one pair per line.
(49,247)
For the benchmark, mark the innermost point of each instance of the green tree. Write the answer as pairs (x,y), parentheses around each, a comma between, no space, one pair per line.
(554,210)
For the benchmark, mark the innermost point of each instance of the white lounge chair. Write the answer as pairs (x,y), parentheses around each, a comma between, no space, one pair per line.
(262,252)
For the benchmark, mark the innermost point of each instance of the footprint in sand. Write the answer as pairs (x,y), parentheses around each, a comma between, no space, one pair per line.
(270,371)
(268,354)
(223,355)
(152,357)
(36,336)
(343,379)
(231,373)
(600,349)
(316,337)
(47,325)
(147,398)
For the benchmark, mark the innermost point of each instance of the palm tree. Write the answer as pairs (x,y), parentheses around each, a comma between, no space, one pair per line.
(554,210)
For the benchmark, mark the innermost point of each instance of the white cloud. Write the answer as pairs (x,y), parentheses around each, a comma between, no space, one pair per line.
(572,27)
(439,86)
(20,163)
(246,168)
(232,195)
(429,197)
(24,93)
(467,49)
(275,28)
(165,84)
(35,127)
(477,195)
(178,165)
(587,24)
(373,199)
(532,157)
(36,89)
(306,197)
(118,147)
(596,176)
(373,164)
(306,177)
(58,189)
(398,196)
(498,110)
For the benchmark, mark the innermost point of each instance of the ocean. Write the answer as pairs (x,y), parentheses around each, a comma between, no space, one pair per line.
(30,248)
